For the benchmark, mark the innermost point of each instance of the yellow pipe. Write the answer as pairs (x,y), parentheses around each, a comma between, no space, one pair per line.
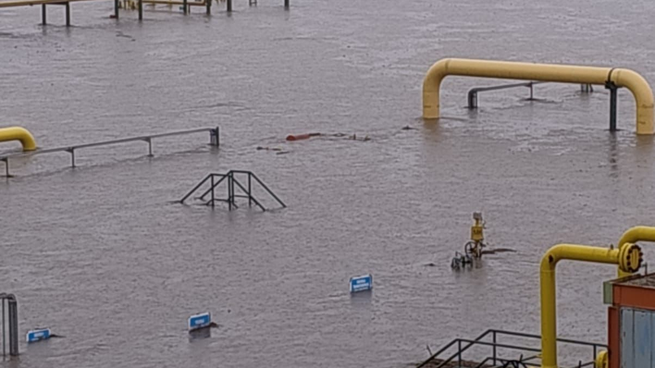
(542,72)
(634,235)
(576,252)
(18,134)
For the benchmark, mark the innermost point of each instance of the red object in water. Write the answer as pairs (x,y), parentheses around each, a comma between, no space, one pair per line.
(112,16)
(297,137)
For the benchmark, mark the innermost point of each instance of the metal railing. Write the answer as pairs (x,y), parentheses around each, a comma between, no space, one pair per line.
(214,140)
(233,183)
(495,359)
(473,93)
(10,312)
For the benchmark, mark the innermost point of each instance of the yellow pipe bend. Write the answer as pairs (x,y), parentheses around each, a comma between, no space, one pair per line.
(18,134)
(634,235)
(541,72)
(549,261)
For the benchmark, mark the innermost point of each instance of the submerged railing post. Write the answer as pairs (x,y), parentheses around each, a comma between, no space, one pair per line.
(12,305)
(494,348)
(140,9)
(249,189)
(212,189)
(43,15)
(116,9)
(229,6)
(286,4)
(68,14)
(613,96)
(214,135)
(473,99)
(6,161)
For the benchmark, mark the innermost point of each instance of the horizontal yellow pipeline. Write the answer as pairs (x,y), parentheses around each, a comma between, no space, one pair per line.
(634,235)
(541,72)
(549,261)
(18,134)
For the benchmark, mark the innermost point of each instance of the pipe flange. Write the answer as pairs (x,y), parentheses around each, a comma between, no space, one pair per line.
(630,258)
(602,360)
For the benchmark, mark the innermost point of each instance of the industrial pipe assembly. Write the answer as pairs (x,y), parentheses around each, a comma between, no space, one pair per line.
(628,258)
(634,235)
(540,72)
(18,134)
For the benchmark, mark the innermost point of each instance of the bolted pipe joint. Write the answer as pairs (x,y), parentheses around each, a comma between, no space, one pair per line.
(630,258)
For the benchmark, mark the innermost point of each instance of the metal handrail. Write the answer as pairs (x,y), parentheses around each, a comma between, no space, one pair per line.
(477,341)
(214,140)
(472,95)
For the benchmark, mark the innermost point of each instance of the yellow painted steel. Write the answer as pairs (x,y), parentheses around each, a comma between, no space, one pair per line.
(18,134)
(602,360)
(541,72)
(634,235)
(549,261)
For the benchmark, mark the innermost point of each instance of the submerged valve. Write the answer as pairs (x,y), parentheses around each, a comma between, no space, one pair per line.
(473,248)
(630,258)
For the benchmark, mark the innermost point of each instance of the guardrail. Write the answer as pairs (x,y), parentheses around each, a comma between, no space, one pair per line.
(214,140)
(464,344)
(472,96)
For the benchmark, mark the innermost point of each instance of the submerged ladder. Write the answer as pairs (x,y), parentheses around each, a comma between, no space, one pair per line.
(10,306)
(209,198)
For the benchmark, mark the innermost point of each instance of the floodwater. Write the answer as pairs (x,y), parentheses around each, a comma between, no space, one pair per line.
(103,255)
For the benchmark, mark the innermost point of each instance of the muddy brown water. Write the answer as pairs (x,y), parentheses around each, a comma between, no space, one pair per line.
(101,254)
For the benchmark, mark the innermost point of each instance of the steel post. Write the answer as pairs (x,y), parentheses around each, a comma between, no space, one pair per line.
(12,305)
(6,160)
(4,335)
(185,4)
(472,100)
(212,183)
(116,9)
(459,353)
(68,14)
(229,5)
(249,190)
(208,3)
(494,348)
(140,9)
(286,4)
(149,140)
(613,96)
(43,15)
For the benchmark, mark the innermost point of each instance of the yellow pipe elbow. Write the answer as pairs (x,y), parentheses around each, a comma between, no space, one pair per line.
(642,93)
(18,134)
(548,290)
(541,72)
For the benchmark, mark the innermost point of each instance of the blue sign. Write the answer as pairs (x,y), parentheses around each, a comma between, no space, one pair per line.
(38,335)
(361,283)
(200,321)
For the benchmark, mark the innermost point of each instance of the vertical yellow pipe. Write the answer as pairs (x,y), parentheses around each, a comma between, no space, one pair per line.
(548,290)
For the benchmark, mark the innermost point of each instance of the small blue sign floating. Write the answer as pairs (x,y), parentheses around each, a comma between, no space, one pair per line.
(38,335)
(199,321)
(361,283)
